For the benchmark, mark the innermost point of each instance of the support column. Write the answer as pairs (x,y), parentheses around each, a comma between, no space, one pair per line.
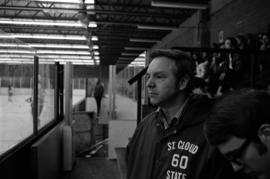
(112,90)
(68,92)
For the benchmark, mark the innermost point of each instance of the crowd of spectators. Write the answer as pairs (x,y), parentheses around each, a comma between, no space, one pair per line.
(219,72)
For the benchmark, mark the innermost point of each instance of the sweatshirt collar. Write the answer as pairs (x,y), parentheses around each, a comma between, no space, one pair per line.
(175,119)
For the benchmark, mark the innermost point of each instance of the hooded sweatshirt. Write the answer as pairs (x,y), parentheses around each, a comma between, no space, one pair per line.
(179,152)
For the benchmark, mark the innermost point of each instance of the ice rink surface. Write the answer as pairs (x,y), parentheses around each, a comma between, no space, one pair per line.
(16,121)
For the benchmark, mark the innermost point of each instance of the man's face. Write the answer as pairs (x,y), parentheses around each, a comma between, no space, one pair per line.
(161,81)
(244,157)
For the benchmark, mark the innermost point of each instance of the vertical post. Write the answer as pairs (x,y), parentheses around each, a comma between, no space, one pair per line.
(112,91)
(56,90)
(35,97)
(68,148)
(139,104)
(61,90)
(147,62)
(68,92)
(20,78)
(252,71)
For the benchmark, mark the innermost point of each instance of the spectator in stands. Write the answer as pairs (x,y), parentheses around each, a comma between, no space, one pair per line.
(98,94)
(265,45)
(251,42)
(214,71)
(264,59)
(241,42)
(230,67)
(239,125)
(245,59)
(202,74)
(168,143)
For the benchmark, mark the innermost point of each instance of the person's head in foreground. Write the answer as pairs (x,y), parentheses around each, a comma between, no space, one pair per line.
(168,76)
(239,125)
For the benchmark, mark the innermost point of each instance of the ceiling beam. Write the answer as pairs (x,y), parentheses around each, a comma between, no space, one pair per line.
(91,11)
(182,4)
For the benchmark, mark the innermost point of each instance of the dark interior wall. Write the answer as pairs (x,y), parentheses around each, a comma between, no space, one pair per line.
(238,17)
(46,155)
(230,16)
(187,34)
(28,161)
(17,166)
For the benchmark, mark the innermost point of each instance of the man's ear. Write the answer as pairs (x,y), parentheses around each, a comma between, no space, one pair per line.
(264,134)
(183,82)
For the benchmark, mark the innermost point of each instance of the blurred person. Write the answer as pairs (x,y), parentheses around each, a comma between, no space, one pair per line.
(239,125)
(98,94)
(245,59)
(169,143)
(230,68)
(10,93)
(265,42)
(241,42)
(264,58)
(40,99)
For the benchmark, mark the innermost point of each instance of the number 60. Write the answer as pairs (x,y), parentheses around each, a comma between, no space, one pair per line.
(180,161)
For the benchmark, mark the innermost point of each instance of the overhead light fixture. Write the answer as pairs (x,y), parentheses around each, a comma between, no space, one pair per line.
(15,56)
(95,47)
(44,36)
(71,46)
(83,57)
(151,27)
(15,45)
(66,1)
(12,51)
(59,1)
(136,64)
(143,40)
(94,38)
(96,57)
(89,2)
(46,60)
(96,53)
(41,22)
(36,45)
(92,24)
(71,52)
(142,55)
(183,5)
(44,56)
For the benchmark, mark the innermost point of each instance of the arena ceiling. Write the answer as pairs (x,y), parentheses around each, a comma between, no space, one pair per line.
(111,31)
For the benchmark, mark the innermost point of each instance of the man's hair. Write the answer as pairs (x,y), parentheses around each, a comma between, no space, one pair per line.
(184,63)
(239,114)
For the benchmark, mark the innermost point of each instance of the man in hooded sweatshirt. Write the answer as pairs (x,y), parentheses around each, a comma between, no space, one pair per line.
(169,143)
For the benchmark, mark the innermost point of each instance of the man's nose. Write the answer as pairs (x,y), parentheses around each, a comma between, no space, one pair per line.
(150,83)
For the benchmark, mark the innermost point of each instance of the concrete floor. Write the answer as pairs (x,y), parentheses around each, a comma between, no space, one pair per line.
(97,166)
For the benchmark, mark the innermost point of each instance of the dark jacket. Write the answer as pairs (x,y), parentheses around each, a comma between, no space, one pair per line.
(180,152)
